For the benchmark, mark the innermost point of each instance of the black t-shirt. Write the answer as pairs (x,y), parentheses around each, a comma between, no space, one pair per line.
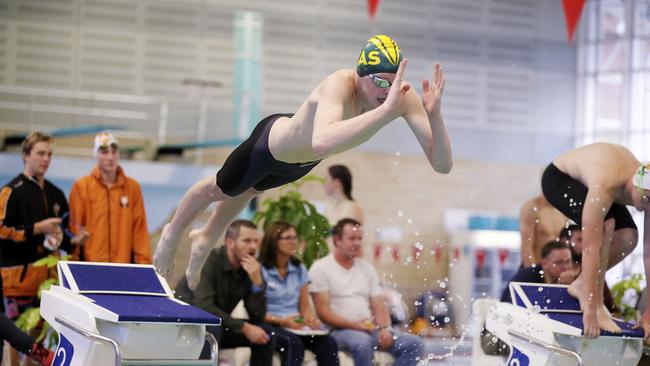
(528,274)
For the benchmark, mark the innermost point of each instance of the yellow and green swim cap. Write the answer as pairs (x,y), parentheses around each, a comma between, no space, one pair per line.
(381,54)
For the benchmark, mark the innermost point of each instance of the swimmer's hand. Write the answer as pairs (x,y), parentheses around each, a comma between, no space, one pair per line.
(397,90)
(432,92)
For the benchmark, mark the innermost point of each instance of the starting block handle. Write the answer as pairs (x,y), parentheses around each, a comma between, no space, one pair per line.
(94,337)
(554,348)
(214,347)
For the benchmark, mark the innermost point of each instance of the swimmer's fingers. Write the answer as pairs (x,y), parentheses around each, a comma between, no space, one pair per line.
(405,87)
(399,76)
(438,78)
(398,89)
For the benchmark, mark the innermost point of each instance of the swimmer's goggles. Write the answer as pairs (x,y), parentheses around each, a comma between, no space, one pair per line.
(382,83)
(641,172)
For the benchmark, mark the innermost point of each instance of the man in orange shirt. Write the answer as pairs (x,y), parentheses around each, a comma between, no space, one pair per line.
(107,205)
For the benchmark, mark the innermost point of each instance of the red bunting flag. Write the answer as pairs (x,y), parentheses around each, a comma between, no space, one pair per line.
(416,252)
(395,254)
(480,257)
(572,12)
(372,8)
(437,254)
(377,251)
(503,255)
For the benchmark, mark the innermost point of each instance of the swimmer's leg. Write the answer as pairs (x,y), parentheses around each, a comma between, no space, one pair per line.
(579,289)
(195,201)
(205,238)
(624,242)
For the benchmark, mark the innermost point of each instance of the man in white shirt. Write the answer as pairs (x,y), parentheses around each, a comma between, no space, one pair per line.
(348,299)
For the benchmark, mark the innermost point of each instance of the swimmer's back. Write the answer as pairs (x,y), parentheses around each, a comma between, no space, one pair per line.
(598,164)
(298,130)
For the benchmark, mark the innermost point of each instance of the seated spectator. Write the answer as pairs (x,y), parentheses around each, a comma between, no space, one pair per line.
(108,207)
(572,236)
(183,292)
(231,273)
(287,299)
(347,296)
(556,258)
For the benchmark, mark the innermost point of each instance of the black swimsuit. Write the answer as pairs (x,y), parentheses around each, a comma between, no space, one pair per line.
(251,164)
(568,196)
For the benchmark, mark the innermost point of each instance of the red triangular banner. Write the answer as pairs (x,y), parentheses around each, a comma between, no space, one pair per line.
(372,8)
(572,12)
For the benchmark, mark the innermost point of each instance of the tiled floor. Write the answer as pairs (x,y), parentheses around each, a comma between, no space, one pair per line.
(460,356)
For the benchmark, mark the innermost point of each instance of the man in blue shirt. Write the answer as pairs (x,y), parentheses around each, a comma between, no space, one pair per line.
(556,258)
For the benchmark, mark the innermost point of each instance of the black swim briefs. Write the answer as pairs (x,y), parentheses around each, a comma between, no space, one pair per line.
(251,164)
(568,196)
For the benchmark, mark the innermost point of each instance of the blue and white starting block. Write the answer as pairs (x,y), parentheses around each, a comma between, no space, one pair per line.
(543,326)
(123,314)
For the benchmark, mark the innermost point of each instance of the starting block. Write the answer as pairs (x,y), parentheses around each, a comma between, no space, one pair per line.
(543,326)
(123,314)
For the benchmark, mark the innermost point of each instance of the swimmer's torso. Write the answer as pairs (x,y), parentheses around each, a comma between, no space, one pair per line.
(601,165)
(548,222)
(290,139)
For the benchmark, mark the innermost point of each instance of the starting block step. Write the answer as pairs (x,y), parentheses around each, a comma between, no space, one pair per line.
(123,314)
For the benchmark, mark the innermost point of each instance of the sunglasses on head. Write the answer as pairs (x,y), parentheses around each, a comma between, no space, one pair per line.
(639,184)
(382,83)
(106,146)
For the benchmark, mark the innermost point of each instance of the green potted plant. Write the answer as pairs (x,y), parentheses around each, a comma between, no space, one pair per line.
(31,319)
(627,311)
(312,227)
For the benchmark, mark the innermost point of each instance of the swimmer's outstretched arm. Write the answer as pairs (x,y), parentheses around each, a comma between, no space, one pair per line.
(597,235)
(425,120)
(332,135)
(587,288)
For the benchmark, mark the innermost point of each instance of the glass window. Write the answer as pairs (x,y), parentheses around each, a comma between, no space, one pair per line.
(613,55)
(612,22)
(614,88)
(642,19)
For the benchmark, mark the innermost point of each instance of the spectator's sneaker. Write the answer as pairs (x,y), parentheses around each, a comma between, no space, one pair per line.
(41,354)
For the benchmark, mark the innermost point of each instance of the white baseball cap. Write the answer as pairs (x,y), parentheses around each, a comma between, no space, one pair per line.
(642,177)
(103,140)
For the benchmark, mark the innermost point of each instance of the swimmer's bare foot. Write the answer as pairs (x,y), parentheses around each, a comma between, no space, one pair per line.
(605,321)
(595,316)
(201,245)
(163,257)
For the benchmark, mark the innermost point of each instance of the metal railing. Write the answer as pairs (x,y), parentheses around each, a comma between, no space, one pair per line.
(548,346)
(165,119)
